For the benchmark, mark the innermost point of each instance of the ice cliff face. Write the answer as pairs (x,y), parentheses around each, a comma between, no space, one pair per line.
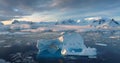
(68,44)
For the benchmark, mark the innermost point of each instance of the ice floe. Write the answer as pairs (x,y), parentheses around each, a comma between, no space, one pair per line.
(101,44)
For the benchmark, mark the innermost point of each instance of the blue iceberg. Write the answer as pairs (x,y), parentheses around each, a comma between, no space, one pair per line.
(67,44)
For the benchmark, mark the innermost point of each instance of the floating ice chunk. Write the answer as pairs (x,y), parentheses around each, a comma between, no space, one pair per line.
(3,61)
(113,37)
(100,44)
(7,46)
(3,33)
(1,41)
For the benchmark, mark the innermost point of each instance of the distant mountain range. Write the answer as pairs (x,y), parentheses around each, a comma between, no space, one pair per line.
(103,22)
(93,22)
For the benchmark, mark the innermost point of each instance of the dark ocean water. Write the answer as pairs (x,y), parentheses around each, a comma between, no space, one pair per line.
(105,54)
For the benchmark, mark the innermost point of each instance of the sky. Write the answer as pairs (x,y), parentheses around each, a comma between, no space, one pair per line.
(53,10)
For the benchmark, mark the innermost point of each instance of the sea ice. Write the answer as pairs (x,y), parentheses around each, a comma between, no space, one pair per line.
(101,44)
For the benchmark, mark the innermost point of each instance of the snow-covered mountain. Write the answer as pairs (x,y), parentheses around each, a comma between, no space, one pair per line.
(102,22)
(68,22)
(109,24)
(33,25)
(91,23)
(99,22)
(21,22)
(19,25)
(1,23)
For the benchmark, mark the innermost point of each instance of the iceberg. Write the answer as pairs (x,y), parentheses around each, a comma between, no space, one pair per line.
(73,44)
(49,48)
(69,43)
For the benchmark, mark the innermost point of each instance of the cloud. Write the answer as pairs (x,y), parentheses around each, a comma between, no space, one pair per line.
(4,18)
(73,4)
(11,8)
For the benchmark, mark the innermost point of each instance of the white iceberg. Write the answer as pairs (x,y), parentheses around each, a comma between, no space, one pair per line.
(73,44)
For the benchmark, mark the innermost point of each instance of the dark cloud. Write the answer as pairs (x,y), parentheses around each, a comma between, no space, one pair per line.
(3,18)
(24,6)
(11,8)
(94,4)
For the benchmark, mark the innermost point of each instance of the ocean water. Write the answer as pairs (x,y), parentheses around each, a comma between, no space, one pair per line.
(19,47)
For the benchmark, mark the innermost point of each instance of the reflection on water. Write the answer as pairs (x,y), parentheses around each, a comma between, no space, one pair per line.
(79,60)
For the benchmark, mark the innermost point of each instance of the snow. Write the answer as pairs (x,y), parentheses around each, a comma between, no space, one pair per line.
(69,22)
(102,22)
(97,22)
